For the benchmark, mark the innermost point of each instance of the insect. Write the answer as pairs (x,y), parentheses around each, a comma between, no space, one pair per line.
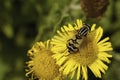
(73,44)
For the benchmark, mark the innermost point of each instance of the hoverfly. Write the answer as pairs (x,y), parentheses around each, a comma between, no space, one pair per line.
(73,44)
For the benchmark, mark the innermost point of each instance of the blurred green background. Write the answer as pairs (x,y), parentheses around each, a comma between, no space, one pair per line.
(23,22)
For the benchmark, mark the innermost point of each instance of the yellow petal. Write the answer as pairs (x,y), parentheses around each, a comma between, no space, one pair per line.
(95,70)
(105,49)
(72,74)
(74,68)
(84,70)
(78,72)
(103,58)
(59,33)
(79,23)
(99,34)
(61,61)
(93,27)
(57,56)
(104,40)
(100,67)
(70,27)
(106,54)
(100,63)
(66,28)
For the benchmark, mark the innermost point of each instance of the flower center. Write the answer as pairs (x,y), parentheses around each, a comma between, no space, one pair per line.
(44,65)
(88,50)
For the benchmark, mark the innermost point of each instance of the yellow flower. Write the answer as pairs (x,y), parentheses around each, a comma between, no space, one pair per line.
(93,52)
(41,65)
